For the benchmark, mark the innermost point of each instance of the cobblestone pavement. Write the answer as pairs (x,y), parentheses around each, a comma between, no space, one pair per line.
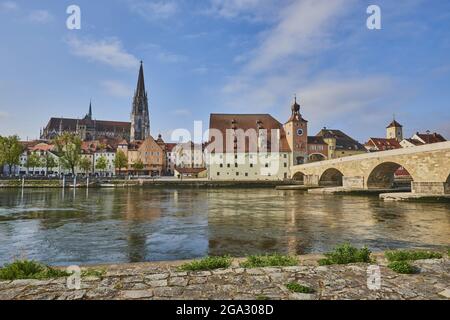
(159,281)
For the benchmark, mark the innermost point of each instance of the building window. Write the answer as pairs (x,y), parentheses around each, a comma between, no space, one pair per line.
(237,173)
(285,165)
(235,165)
(218,173)
(285,156)
(251,165)
(267,165)
(221,165)
(228,165)
(246,174)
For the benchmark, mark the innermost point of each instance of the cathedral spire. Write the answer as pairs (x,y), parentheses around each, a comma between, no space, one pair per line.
(140,118)
(90,110)
(140,90)
(88,116)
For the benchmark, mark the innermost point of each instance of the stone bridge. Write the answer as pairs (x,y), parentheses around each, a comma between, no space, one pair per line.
(428,166)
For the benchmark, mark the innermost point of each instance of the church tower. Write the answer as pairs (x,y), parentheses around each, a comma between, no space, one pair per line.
(140,118)
(394,131)
(297,135)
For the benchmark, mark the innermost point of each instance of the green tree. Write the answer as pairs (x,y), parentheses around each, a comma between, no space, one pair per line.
(102,164)
(85,164)
(10,151)
(68,147)
(121,161)
(48,162)
(33,161)
(138,165)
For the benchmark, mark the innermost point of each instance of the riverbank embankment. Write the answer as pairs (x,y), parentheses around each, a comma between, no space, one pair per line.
(156,183)
(164,280)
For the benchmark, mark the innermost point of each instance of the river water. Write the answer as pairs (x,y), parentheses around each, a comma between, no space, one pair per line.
(135,225)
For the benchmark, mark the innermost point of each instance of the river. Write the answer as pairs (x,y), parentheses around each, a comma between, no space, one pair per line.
(100,226)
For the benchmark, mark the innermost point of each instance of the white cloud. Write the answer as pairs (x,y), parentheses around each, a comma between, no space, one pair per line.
(117,88)
(328,99)
(107,51)
(252,10)
(281,66)
(161,54)
(8,6)
(169,57)
(40,16)
(154,10)
(303,29)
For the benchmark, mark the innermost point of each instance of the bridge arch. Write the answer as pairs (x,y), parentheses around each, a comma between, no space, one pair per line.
(331,177)
(383,176)
(299,176)
(315,157)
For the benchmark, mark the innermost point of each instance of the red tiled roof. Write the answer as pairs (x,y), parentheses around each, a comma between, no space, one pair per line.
(170,146)
(42,147)
(385,144)
(415,142)
(431,138)
(190,170)
(244,122)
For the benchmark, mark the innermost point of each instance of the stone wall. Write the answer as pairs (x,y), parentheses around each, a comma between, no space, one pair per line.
(430,187)
(353,182)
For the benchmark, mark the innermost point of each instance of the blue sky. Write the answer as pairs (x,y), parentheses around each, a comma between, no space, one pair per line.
(227,56)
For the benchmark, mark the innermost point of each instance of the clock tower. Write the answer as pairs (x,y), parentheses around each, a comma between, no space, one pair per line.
(297,135)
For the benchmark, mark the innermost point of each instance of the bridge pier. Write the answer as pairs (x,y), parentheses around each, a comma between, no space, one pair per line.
(430,187)
(353,182)
(311,180)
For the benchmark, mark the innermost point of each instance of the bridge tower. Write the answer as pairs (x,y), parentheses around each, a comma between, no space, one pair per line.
(297,135)
(394,131)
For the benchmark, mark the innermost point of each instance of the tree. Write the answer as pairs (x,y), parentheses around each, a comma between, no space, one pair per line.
(10,151)
(121,161)
(68,147)
(138,165)
(33,161)
(48,162)
(85,165)
(102,164)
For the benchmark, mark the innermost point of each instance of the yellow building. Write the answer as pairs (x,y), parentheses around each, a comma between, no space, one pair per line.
(339,144)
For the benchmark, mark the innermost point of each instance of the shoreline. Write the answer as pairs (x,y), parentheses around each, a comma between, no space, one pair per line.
(109,184)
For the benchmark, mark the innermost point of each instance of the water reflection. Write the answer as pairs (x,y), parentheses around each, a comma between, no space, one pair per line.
(131,225)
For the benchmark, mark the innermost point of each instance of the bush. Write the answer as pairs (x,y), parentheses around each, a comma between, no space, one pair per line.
(24,269)
(410,255)
(98,273)
(298,288)
(208,263)
(275,260)
(403,267)
(345,254)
